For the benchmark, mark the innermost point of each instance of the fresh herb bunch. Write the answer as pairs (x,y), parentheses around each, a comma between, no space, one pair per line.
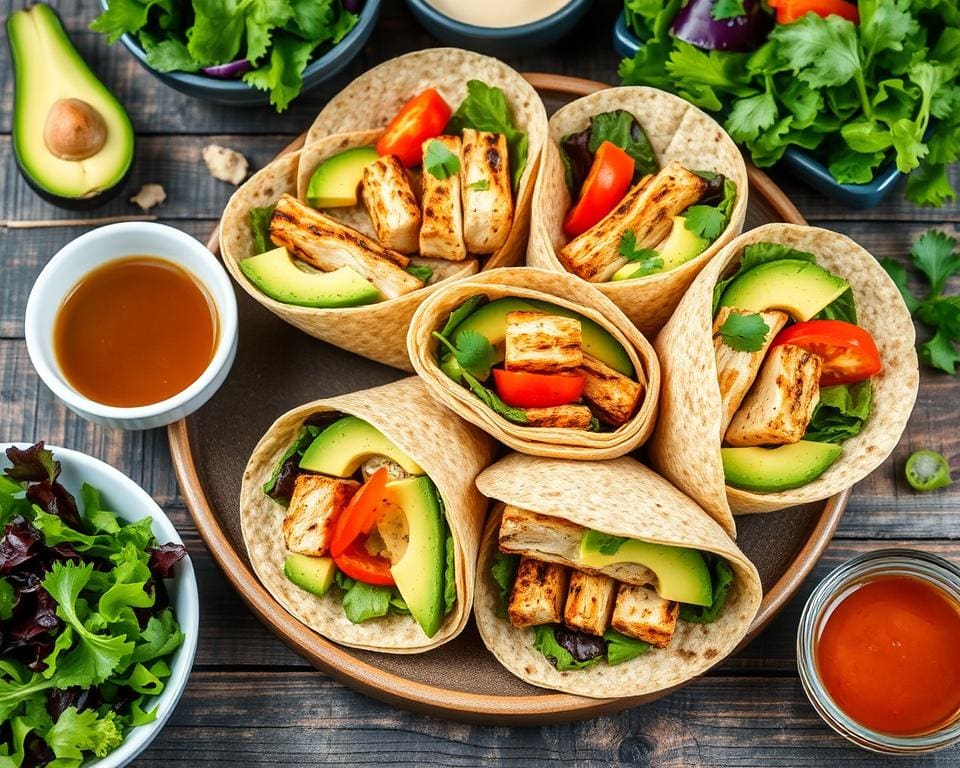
(858,96)
(86,630)
(278,38)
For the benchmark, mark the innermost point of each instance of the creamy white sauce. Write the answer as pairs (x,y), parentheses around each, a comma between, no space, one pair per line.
(498,14)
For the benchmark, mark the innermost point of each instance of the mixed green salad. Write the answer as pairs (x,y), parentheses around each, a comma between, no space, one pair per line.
(86,627)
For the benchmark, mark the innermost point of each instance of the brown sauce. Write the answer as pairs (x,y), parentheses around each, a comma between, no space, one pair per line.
(135,331)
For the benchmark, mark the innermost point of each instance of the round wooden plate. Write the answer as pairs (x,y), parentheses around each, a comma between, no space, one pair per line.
(277,367)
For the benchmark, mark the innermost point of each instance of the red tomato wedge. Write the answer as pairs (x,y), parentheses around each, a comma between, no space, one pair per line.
(359,564)
(423,117)
(605,185)
(538,390)
(361,513)
(848,351)
(789,11)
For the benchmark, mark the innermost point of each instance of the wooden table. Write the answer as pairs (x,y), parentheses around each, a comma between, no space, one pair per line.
(251,700)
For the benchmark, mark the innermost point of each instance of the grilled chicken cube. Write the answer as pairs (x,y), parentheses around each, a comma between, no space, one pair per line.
(611,395)
(486,191)
(316,504)
(327,244)
(441,232)
(736,371)
(641,613)
(646,210)
(394,470)
(781,403)
(391,204)
(590,599)
(559,417)
(536,342)
(538,593)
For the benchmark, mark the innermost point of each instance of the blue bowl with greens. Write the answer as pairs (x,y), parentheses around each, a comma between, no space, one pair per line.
(224,83)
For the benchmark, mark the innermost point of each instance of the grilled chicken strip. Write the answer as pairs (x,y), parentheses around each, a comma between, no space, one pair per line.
(589,604)
(641,613)
(536,342)
(646,211)
(554,540)
(612,396)
(316,503)
(559,417)
(441,232)
(736,371)
(781,403)
(486,191)
(327,244)
(538,593)
(391,204)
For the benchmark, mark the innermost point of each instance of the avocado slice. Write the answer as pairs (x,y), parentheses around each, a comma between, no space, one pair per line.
(680,246)
(419,572)
(314,574)
(335,182)
(767,470)
(277,275)
(800,288)
(490,320)
(682,574)
(72,139)
(344,445)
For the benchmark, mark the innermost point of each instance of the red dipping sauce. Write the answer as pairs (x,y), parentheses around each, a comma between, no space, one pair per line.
(889,655)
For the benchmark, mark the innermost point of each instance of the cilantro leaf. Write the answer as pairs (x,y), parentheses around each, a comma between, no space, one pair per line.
(751,115)
(439,161)
(706,221)
(490,398)
(504,573)
(821,51)
(744,333)
(727,9)
(480,185)
(473,351)
(935,255)
(648,260)
(898,273)
(940,353)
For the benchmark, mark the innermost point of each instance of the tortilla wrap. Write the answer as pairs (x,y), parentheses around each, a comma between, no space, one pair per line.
(564,290)
(372,100)
(376,331)
(677,131)
(686,446)
(622,498)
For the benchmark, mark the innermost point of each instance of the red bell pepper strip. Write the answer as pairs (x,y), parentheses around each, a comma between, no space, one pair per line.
(423,117)
(359,564)
(360,514)
(605,185)
(538,390)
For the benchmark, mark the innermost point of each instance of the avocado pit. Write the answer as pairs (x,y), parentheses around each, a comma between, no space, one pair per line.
(74,130)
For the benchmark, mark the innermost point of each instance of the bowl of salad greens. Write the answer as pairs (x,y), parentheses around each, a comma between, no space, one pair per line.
(241,52)
(850,96)
(98,612)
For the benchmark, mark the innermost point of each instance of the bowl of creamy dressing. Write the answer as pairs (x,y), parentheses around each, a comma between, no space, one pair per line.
(499,27)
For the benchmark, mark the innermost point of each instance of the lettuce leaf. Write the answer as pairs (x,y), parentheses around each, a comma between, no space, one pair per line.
(841,412)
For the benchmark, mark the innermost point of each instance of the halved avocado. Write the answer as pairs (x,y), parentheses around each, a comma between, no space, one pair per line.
(334,184)
(72,139)
(767,470)
(798,287)
(343,446)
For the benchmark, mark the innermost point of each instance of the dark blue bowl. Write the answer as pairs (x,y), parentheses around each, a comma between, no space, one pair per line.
(801,164)
(500,41)
(237,92)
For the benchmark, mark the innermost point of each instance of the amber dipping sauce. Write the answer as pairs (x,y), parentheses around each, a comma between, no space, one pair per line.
(889,655)
(135,331)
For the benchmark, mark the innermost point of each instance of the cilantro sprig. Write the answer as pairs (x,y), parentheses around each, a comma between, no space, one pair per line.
(473,352)
(439,161)
(744,333)
(648,260)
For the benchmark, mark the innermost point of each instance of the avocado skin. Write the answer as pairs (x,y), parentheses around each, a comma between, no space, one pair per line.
(75,203)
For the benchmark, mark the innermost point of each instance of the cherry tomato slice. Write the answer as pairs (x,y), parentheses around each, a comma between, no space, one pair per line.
(538,390)
(360,514)
(848,351)
(789,11)
(606,184)
(423,117)
(359,564)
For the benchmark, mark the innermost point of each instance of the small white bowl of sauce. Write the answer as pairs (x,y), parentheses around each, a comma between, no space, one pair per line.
(132,325)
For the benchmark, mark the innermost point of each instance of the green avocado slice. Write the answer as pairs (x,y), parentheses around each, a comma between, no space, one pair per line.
(335,182)
(767,470)
(800,288)
(344,445)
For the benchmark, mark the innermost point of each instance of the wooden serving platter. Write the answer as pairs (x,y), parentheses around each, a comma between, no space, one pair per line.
(277,368)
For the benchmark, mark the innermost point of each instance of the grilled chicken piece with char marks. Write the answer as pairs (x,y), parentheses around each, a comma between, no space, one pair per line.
(327,244)
(441,230)
(486,191)
(538,593)
(559,417)
(781,403)
(537,342)
(391,204)
(590,599)
(641,613)
(612,396)
(316,503)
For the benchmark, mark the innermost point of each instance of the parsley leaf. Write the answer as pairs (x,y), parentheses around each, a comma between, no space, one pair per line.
(744,333)
(480,185)
(473,351)
(439,161)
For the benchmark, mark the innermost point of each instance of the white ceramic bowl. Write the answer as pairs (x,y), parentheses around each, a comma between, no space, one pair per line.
(131,502)
(95,248)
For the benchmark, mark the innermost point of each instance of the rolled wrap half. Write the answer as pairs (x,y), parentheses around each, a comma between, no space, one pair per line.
(451,452)
(620,498)
(566,291)
(677,131)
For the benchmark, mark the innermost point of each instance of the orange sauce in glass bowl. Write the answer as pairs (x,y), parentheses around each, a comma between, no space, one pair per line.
(135,331)
(889,655)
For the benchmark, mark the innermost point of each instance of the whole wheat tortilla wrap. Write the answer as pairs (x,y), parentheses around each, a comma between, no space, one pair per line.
(686,445)
(561,289)
(621,498)
(371,101)
(677,131)
(451,452)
